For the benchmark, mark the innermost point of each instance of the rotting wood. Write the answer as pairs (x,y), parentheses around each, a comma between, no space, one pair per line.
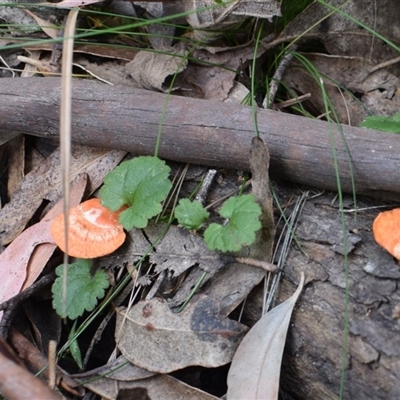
(205,132)
(313,356)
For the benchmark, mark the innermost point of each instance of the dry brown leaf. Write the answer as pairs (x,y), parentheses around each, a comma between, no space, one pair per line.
(49,29)
(255,369)
(178,251)
(211,15)
(211,83)
(110,72)
(16,163)
(366,44)
(217,82)
(70,3)
(358,57)
(221,16)
(376,91)
(266,9)
(170,341)
(341,36)
(151,70)
(16,382)
(159,387)
(29,353)
(161,36)
(120,370)
(237,94)
(126,54)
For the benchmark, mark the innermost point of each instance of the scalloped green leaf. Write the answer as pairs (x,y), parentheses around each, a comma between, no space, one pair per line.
(389,124)
(190,214)
(142,184)
(243,213)
(83,289)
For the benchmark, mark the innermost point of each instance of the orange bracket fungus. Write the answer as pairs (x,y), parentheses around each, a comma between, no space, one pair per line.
(94,230)
(386,228)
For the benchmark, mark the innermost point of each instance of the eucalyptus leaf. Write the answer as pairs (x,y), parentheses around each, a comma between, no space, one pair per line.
(256,365)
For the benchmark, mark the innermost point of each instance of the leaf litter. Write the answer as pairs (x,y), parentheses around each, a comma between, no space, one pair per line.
(204,325)
(44,182)
(14,260)
(256,366)
(179,252)
(356,84)
(171,341)
(23,260)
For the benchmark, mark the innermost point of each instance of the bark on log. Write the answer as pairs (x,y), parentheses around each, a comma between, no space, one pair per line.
(205,132)
(313,356)
(210,133)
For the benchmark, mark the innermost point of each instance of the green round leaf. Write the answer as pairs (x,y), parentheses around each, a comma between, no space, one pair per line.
(243,213)
(83,289)
(190,214)
(389,124)
(142,184)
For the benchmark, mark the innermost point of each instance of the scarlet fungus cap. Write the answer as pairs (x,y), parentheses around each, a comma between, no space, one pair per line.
(386,229)
(94,230)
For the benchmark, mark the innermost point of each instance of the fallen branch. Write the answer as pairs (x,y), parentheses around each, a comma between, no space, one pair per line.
(205,132)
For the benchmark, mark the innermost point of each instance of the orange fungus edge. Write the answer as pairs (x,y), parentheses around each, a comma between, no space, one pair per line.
(386,230)
(94,230)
